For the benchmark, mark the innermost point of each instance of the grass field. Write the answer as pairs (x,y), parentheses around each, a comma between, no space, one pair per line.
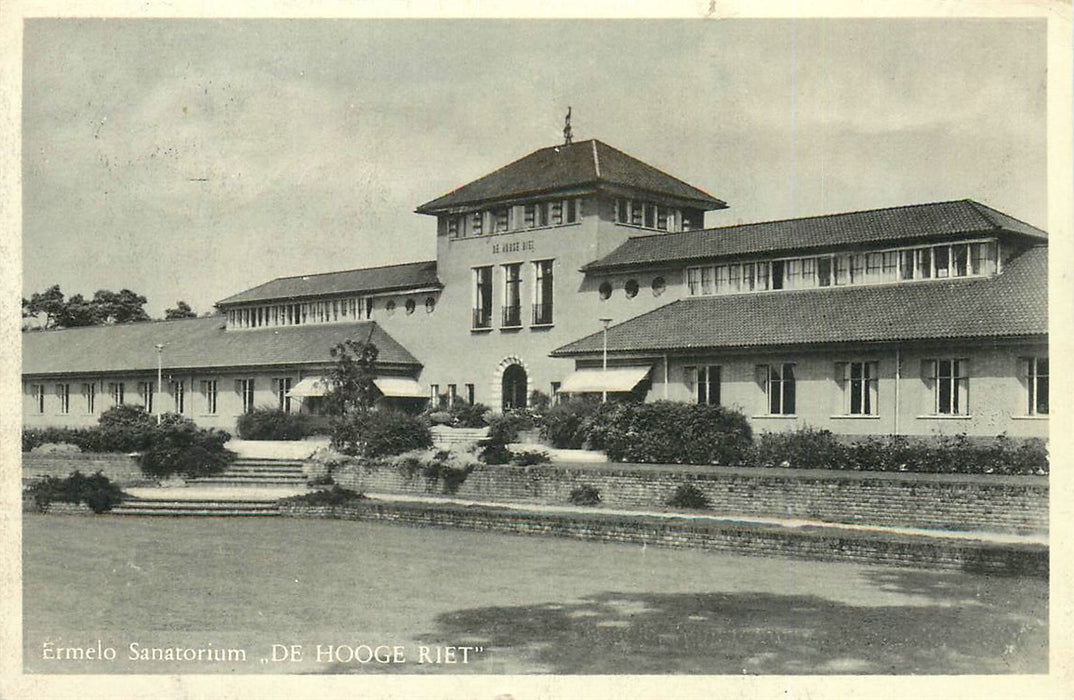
(527,604)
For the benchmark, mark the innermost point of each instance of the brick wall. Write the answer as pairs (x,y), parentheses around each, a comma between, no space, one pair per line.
(944,501)
(738,538)
(119,468)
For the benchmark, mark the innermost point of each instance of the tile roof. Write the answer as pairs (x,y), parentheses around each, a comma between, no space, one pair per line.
(363,280)
(919,221)
(590,163)
(1011,304)
(197,343)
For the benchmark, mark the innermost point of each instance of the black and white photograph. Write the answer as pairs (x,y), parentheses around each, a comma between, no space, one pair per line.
(479,355)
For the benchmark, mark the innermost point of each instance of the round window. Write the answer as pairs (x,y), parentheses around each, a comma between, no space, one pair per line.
(631,289)
(659,285)
(410,306)
(430,304)
(605,290)
(390,306)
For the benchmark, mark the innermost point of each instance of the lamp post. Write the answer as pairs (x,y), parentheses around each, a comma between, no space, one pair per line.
(604,363)
(160,372)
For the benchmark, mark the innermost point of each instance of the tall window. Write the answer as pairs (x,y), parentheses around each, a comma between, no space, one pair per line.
(145,395)
(179,396)
(859,381)
(208,395)
(38,392)
(283,388)
(246,393)
(950,385)
(778,381)
(477,223)
(63,393)
(542,307)
(115,390)
(704,384)
(1036,376)
(89,391)
(482,297)
(501,220)
(512,297)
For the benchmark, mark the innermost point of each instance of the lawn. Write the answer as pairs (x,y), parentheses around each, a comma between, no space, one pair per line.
(522,604)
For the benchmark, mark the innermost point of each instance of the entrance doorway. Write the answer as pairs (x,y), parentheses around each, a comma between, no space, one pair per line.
(514,387)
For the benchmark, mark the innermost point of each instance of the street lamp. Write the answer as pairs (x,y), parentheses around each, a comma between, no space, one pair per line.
(604,363)
(160,368)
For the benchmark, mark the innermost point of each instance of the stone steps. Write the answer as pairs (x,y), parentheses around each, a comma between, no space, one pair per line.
(256,472)
(212,508)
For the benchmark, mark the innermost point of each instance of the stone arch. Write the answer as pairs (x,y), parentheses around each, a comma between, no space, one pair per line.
(498,379)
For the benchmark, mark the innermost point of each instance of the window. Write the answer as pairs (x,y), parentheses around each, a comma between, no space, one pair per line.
(501,220)
(859,382)
(658,286)
(430,305)
(824,272)
(283,388)
(983,258)
(179,397)
(512,298)
(778,383)
(390,307)
(542,307)
(245,388)
(535,215)
(410,305)
(208,394)
(482,297)
(38,392)
(949,383)
(477,223)
(63,393)
(622,210)
(704,384)
(631,288)
(1036,377)
(693,280)
(470,394)
(453,226)
(89,391)
(145,395)
(115,390)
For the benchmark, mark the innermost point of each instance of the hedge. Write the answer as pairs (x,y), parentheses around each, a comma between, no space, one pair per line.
(96,491)
(379,433)
(268,423)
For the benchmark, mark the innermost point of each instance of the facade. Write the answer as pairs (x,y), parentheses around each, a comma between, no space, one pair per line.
(911,320)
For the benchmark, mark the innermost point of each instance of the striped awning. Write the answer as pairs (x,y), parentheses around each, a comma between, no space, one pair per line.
(599,380)
(400,388)
(310,386)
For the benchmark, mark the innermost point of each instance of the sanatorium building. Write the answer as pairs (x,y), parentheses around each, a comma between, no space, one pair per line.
(916,320)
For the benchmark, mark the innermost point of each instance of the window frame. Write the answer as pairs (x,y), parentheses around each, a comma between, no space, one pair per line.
(1034,379)
(861,393)
(780,388)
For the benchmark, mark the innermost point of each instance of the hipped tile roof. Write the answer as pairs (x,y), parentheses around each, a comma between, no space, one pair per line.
(198,343)
(364,280)
(1012,304)
(907,223)
(586,163)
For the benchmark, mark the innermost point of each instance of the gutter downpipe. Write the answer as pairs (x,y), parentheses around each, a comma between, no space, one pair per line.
(665,377)
(898,376)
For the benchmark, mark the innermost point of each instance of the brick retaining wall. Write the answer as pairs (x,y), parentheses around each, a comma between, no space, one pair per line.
(736,538)
(119,468)
(931,501)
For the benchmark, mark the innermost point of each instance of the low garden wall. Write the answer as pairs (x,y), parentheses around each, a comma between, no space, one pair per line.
(122,469)
(738,538)
(1016,504)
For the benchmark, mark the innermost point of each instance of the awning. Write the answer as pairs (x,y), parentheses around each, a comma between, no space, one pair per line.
(400,388)
(600,380)
(310,386)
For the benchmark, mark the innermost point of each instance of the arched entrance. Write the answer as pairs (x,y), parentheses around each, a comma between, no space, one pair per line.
(513,387)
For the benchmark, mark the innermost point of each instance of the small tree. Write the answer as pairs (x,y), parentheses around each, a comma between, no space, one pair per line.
(351,378)
(181,310)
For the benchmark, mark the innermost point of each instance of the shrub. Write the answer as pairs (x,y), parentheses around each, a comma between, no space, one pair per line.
(268,423)
(525,458)
(470,415)
(496,453)
(688,496)
(96,491)
(539,401)
(179,447)
(126,416)
(671,433)
(585,495)
(380,433)
(335,496)
(506,427)
(803,448)
(440,417)
(443,469)
(565,426)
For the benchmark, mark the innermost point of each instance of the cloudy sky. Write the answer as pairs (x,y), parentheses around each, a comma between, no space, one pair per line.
(190,159)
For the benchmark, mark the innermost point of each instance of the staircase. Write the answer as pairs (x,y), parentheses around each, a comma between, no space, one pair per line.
(256,471)
(214,508)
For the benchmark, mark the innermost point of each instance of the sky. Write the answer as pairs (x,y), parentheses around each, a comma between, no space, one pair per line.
(192,159)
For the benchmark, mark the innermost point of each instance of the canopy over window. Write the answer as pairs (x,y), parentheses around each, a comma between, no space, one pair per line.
(600,380)
(310,386)
(400,388)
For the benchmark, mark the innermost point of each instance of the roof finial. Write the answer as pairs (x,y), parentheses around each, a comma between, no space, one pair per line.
(567,135)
